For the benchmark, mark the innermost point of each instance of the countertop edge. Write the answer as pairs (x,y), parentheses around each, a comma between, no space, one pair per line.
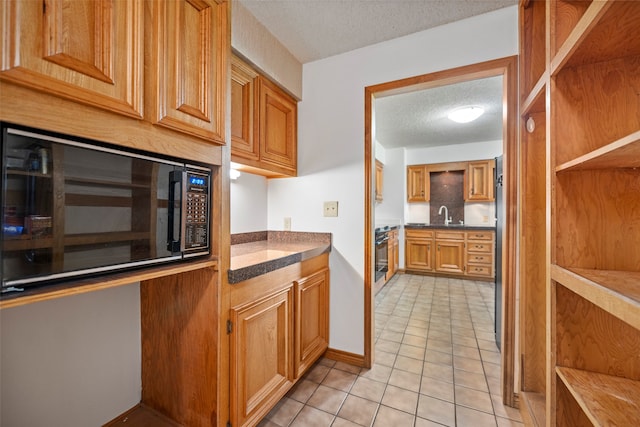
(254,270)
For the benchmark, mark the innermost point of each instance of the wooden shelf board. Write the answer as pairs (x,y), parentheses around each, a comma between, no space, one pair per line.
(623,153)
(75,240)
(81,286)
(606,31)
(535,101)
(605,399)
(22,244)
(99,238)
(102,183)
(616,292)
(21,172)
(535,404)
(142,416)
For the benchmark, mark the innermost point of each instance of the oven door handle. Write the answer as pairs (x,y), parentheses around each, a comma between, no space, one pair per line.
(381,241)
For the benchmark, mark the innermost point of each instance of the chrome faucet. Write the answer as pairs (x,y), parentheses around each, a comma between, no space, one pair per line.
(447,218)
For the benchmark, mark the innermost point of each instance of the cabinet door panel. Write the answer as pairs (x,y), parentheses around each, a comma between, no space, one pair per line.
(243,143)
(277,130)
(450,257)
(187,73)
(261,355)
(479,181)
(418,254)
(379,180)
(417,184)
(89,51)
(312,319)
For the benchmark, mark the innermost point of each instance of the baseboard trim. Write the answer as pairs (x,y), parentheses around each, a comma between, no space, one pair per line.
(345,356)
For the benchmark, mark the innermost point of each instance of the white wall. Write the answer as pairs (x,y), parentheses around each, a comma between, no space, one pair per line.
(331,144)
(73,361)
(248,203)
(257,45)
(454,153)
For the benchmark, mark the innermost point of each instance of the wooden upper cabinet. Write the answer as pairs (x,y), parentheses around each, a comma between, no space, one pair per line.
(264,124)
(187,47)
(277,127)
(450,252)
(417,184)
(379,180)
(88,51)
(479,181)
(243,143)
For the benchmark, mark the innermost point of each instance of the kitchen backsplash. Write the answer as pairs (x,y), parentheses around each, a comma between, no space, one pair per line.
(478,213)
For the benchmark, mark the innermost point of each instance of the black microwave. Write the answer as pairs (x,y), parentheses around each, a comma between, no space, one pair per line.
(74,207)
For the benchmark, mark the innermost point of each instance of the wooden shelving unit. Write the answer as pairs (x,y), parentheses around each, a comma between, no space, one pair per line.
(534,246)
(580,80)
(604,399)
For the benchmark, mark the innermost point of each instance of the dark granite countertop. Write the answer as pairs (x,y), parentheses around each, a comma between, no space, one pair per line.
(254,254)
(387,227)
(449,227)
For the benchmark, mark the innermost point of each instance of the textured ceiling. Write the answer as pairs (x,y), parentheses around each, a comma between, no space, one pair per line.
(316,29)
(419,119)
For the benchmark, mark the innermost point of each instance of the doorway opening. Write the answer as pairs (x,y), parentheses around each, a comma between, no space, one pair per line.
(507,69)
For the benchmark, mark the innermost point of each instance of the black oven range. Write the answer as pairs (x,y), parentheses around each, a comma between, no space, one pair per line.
(381,252)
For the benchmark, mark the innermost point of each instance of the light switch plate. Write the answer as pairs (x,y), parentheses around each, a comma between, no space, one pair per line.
(330,209)
(287,223)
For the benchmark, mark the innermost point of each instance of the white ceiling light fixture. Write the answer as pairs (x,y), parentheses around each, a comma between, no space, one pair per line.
(466,114)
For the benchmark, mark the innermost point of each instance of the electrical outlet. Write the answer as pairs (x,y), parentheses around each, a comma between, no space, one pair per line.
(287,223)
(485,218)
(330,209)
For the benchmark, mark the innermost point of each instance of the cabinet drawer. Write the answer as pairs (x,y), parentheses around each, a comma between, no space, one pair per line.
(418,234)
(479,270)
(450,235)
(479,247)
(479,235)
(480,258)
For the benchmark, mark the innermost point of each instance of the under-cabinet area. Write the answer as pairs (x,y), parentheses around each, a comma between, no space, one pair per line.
(456,251)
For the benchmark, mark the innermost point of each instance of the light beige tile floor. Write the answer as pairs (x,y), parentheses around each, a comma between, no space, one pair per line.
(436,363)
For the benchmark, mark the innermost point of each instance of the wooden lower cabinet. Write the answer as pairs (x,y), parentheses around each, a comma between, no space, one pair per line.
(392,254)
(480,253)
(279,328)
(311,320)
(418,250)
(450,254)
(261,355)
(458,253)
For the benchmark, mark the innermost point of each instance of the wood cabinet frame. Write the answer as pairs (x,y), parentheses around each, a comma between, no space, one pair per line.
(265,124)
(580,352)
(506,67)
(45,48)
